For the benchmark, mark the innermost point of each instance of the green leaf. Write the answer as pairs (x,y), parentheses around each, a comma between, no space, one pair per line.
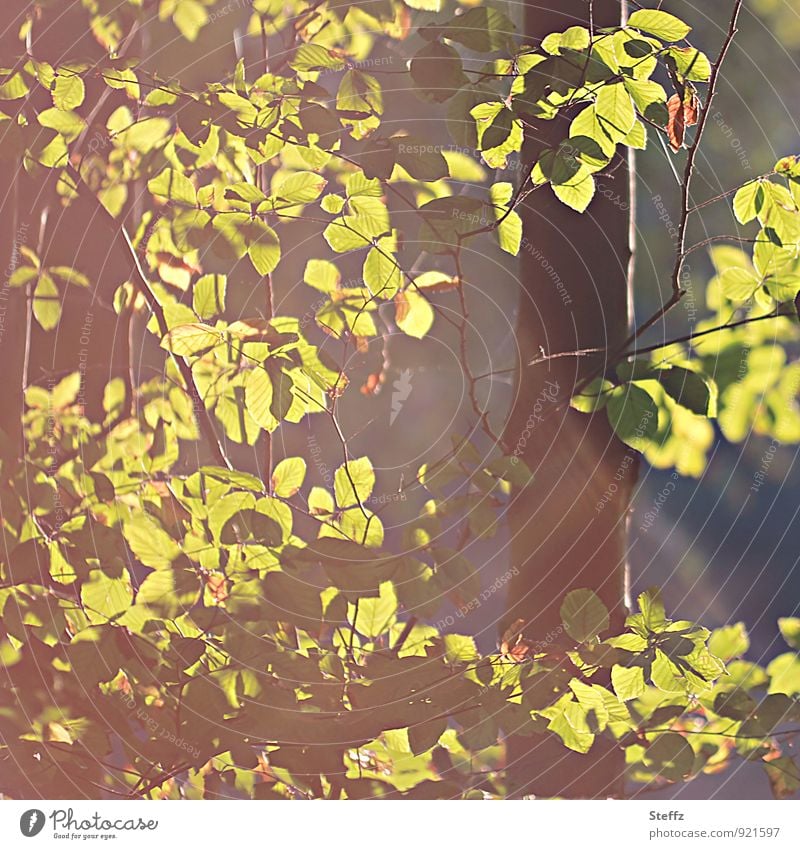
(264,249)
(69,124)
(245,192)
(509,230)
(419,158)
(170,592)
(748,201)
(660,24)
(174,186)
(691,63)
(126,79)
(628,682)
(61,570)
(259,399)
(784,671)
(690,390)
(739,284)
(315,57)
(593,397)
(232,477)
(70,275)
(302,187)
(375,616)
(596,700)
(208,296)
(569,721)
(189,17)
(68,91)
(670,756)
(584,615)
(649,98)
(414,313)
(320,502)
(651,606)
(633,414)
(65,392)
(359,103)
(437,71)
(151,544)
(637,137)
(729,642)
(381,273)
(105,598)
(322,275)
(187,340)
(354,482)
(482,29)
(425,5)
(288,476)
(12,85)
(459,648)
(344,234)
(332,204)
(46,302)
(790,631)
(725,256)
(144,135)
(615,111)
(24,274)
(577,194)
(573,38)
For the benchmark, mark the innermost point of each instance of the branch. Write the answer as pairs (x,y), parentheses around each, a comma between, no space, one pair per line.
(686,210)
(703,204)
(692,155)
(689,337)
(688,172)
(143,286)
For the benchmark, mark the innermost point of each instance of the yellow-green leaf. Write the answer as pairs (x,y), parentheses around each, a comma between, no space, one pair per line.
(208,297)
(288,476)
(68,91)
(660,24)
(354,482)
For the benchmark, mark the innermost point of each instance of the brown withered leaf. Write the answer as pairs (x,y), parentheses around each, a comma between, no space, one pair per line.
(784,776)
(217,586)
(372,385)
(514,644)
(682,114)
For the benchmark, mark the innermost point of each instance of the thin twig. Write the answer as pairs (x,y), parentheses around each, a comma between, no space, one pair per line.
(142,285)
(619,355)
(690,338)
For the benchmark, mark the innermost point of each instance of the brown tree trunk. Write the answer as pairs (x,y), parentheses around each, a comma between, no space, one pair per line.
(569,527)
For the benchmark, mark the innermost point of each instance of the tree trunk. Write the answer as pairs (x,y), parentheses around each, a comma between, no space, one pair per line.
(569,527)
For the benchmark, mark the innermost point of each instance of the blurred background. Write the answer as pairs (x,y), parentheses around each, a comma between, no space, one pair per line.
(723,549)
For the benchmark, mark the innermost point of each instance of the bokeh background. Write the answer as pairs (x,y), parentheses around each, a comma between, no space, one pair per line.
(722,552)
